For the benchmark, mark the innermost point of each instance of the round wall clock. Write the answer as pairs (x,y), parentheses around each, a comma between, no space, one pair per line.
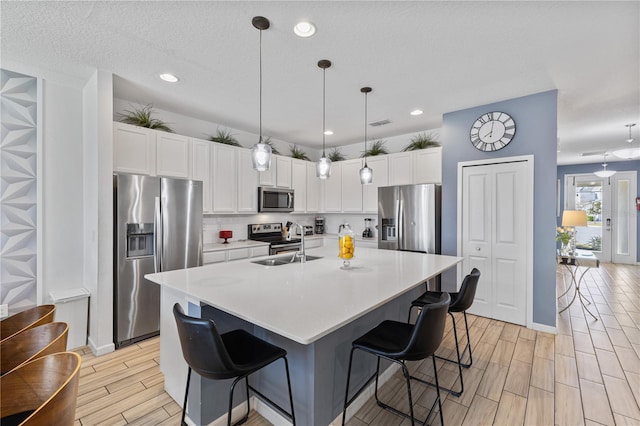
(492,131)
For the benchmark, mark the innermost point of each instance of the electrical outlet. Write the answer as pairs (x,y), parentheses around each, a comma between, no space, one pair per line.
(4,310)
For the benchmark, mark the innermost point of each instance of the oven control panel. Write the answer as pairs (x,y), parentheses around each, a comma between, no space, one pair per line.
(266,228)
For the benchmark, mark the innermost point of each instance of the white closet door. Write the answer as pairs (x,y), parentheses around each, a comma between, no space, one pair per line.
(494,238)
(476,236)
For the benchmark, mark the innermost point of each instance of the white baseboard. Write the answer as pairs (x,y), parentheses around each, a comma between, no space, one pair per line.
(102,350)
(544,328)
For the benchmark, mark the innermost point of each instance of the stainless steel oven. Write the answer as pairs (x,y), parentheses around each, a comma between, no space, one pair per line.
(272,233)
(275,199)
(284,247)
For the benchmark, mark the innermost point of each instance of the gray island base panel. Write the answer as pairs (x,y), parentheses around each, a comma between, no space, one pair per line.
(313,310)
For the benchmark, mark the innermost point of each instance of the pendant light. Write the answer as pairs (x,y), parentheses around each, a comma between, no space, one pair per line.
(323,166)
(630,153)
(366,174)
(604,173)
(261,152)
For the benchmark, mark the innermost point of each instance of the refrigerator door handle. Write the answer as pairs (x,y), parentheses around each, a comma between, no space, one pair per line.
(400,224)
(157,236)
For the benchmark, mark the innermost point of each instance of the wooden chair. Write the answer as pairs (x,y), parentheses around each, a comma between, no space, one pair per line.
(25,320)
(32,344)
(41,392)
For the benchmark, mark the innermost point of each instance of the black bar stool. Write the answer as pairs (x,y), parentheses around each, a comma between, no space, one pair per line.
(225,356)
(399,342)
(460,302)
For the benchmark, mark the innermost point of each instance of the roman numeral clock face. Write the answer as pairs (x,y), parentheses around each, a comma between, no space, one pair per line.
(492,131)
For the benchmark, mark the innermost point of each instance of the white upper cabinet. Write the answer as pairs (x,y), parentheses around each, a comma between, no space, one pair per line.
(268,178)
(224,178)
(427,165)
(401,168)
(283,171)
(314,189)
(333,189)
(173,155)
(150,152)
(201,153)
(299,185)
(351,186)
(134,149)
(380,167)
(247,183)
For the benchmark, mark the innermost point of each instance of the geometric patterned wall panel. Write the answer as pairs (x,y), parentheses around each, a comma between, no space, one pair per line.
(18,196)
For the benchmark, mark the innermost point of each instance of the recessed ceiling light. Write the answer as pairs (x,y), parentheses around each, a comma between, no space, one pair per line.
(304,29)
(416,112)
(169,78)
(328,132)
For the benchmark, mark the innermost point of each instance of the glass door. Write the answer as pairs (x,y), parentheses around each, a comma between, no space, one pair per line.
(591,194)
(609,203)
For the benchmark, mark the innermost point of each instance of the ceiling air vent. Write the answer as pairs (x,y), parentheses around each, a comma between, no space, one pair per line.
(380,123)
(589,154)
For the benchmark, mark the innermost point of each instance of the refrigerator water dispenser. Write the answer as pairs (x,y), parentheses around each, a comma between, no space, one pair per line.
(139,239)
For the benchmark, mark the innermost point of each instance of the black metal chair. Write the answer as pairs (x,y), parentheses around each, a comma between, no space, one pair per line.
(399,342)
(236,354)
(460,302)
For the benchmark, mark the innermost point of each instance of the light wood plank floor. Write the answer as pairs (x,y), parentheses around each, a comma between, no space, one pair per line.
(587,374)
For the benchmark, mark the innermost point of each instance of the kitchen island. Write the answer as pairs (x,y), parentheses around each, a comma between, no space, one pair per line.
(314,310)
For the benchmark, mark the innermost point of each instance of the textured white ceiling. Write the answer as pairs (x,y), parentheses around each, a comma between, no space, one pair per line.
(436,56)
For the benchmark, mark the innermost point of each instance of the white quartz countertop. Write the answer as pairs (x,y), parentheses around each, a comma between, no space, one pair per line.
(306,301)
(232,245)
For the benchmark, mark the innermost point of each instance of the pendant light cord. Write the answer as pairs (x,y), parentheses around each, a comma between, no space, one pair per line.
(365,129)
(260,138)
(324,77)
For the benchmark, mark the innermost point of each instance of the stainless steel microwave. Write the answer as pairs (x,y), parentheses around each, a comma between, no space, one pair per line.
(275,199)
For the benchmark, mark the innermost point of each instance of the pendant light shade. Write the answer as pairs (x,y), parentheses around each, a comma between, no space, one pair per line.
(323,166)
(366,174)
(261,152)
(604,173)
(630,153)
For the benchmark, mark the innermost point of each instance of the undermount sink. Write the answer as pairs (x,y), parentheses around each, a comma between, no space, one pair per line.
(283,260)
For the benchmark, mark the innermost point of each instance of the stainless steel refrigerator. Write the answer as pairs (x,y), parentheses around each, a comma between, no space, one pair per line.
(409,218)
(157,227)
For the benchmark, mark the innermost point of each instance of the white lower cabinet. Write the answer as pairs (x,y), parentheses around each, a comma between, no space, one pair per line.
(214,257)
(234,254)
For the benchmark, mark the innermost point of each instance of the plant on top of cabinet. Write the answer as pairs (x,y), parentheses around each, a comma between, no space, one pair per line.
(298,153)
(225,137)
(422,141)
(274,150)
(142,117)
(376,148)
(336,154)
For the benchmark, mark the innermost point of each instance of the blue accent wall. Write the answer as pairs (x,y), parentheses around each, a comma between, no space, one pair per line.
(621,166)
(536,134)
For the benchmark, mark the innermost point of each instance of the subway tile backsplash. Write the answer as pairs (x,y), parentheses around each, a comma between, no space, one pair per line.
(213,224)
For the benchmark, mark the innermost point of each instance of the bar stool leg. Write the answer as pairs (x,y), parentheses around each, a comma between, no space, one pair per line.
(346,392)
(186,395)
(286,367)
